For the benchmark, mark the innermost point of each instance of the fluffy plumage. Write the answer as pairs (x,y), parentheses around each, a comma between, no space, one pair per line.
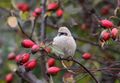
(65,42)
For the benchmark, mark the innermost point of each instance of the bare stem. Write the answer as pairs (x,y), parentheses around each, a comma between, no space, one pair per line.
(42,38)
(118,1)
(75,61)
(33,28)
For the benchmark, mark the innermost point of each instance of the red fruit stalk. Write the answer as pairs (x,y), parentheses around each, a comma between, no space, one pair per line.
(11,56)
(106,23)
(51,62)
(59,12)
(27,43)
(52,6)
(31,64)
(9,78)
(86,56)
(53,70)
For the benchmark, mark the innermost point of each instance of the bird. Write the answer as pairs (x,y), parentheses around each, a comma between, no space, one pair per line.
(65,42)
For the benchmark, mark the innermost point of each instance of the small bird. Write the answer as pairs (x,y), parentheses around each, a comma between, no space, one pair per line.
(65,42)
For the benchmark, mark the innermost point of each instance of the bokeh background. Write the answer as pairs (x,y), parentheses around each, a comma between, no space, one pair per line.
(85,28)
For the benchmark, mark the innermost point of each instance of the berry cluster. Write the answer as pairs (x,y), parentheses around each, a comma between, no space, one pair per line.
(51,7)
(23,59)
(109,32)
(51,68)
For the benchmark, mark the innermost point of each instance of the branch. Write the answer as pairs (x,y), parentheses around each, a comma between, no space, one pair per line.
(118,1)
(26,76)
(42,38)
(24,32)
(75,61)
(33,28)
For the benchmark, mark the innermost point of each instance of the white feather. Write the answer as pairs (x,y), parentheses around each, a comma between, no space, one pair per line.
(66,44)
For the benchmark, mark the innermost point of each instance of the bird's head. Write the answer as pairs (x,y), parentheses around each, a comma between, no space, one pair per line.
(64,31)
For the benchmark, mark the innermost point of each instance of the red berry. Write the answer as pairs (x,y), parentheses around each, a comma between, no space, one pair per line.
(106,36)
(53,70)
(114,33)
(86,56)
(47,49)
(9,78)
(35,14)
(106,23)
(51,62)
(105,10)
(38,10)
(25,57)
(27,43)
(52,6)
(23,7)
(11,56)
(35,48)
(31,64)
(18,58)
(59,12)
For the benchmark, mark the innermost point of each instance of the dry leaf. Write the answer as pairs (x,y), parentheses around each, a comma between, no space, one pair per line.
(12,21)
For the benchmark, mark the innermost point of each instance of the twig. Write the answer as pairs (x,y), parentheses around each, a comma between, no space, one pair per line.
(24,32)
(118,1)
(33,28)
(75,61)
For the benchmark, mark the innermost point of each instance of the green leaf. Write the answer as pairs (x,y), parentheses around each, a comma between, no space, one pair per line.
(115,20)
(117,81)
(2,81)
(24,15)
(56,50)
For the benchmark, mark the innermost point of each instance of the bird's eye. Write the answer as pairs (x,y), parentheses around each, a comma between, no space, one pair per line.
(65,34)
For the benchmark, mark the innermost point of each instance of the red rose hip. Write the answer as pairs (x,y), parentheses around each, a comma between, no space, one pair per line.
(106,23)
(106,36)
(11,56)
(51,62)
(59,12)
(38,10)
(31,64)
(23,7)
(9,78)
(25,57)
(86,56)
(27,43)
(35,48)
(53,70)
(52,6)
(114,33)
